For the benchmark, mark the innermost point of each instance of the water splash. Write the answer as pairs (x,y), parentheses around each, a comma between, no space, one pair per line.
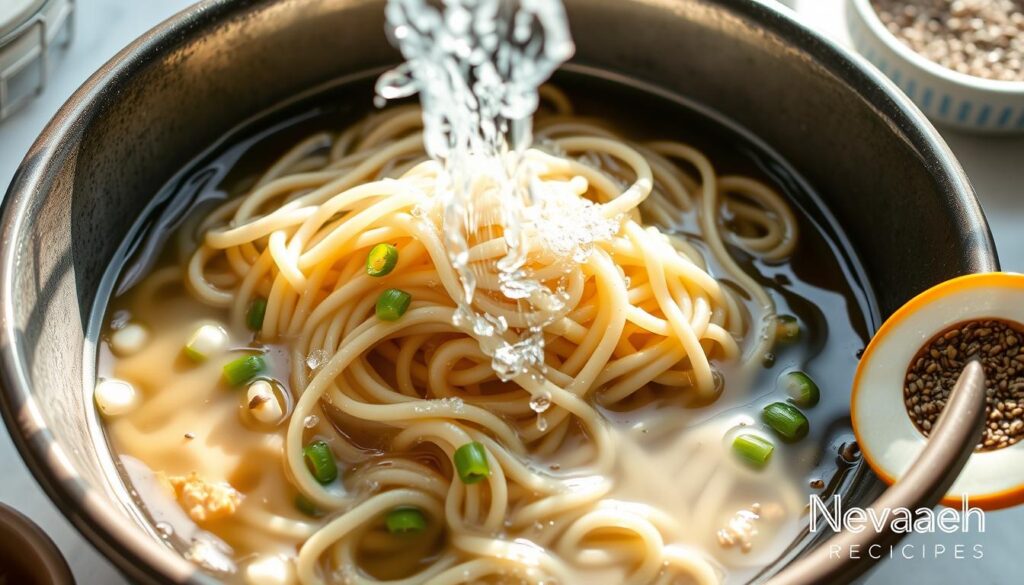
(477,65)
(317,358)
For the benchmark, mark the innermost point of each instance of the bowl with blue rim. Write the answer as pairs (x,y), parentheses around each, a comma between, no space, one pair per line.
(948,97)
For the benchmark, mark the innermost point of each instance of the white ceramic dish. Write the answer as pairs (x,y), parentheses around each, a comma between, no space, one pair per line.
(947,97)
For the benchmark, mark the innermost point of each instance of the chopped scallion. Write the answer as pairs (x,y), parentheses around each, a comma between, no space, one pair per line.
(244,369)
(320,461)
(392,304)
(471,463)
(405,520)
(257,310)
(786,420)
(801,389)
(381,260)
(753,449)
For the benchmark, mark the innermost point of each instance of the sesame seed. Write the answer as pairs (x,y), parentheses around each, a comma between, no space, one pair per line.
(976,37)
(933,373)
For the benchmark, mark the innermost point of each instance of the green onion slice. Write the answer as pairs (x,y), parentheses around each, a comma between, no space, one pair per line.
(392,304)
(257,310)
(405,520)
(787,329)
(381,260)
(801,389)
(471,463)
(320,461)
(753,449)
(244,369)
(786,420)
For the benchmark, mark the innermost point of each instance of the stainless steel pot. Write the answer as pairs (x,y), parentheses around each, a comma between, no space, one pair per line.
(881,168)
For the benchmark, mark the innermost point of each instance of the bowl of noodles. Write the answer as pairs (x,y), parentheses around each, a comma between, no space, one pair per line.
(586,309)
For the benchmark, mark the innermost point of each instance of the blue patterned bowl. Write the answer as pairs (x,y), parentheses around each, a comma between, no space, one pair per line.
(948,97)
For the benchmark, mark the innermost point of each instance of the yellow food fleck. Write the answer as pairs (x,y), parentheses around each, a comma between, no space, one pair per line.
(203,500)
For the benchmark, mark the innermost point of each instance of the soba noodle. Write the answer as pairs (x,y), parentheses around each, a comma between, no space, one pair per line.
(641,315)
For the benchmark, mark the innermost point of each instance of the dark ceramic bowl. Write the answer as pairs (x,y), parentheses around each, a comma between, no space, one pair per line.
(883,171)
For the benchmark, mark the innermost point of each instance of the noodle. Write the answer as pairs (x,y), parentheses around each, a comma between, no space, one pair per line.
(640,310)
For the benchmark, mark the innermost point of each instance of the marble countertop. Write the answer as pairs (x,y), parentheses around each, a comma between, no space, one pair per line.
(994,165)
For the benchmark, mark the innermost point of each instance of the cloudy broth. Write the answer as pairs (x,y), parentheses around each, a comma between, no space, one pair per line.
(685,469)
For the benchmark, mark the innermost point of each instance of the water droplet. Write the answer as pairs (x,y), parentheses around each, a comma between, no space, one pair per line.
(542,423)
(311,421)
(540,402)
(164,529)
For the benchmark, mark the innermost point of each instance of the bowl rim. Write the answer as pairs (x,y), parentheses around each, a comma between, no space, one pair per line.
(870,18)
(112,532)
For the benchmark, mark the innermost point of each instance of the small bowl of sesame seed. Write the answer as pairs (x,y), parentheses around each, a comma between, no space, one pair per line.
(907,373)
(960,61)
(996,344)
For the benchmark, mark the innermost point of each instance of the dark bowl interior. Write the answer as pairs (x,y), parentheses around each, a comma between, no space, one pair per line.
(881,169)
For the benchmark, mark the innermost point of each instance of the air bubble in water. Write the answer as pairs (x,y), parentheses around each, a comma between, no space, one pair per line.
(311,421)
(540,402)
(718,380)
